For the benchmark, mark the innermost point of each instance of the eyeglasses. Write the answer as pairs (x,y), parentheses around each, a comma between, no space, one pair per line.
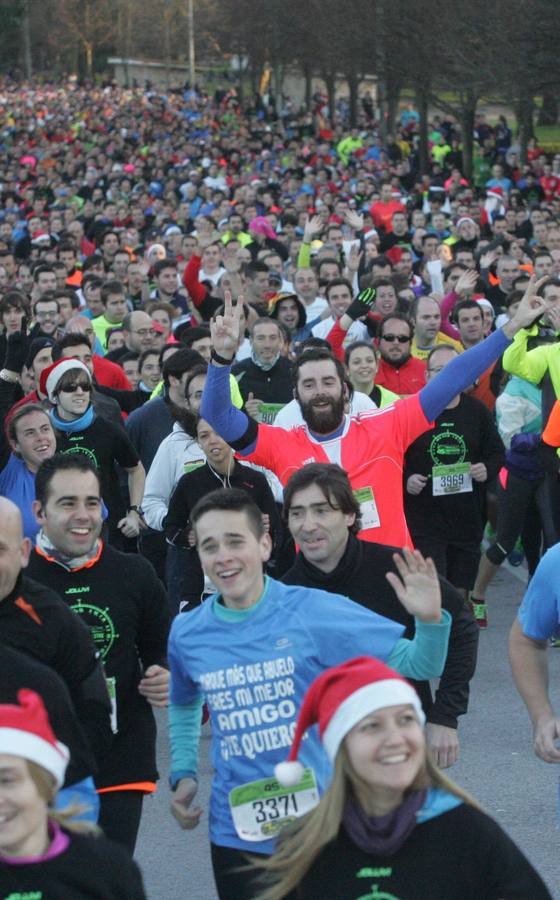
(144,332)
(73,387)
(391,338)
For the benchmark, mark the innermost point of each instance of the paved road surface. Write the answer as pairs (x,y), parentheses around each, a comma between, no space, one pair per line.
(497,765)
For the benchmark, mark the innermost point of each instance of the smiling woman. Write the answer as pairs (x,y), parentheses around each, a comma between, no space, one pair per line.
(41,852)
(380,828)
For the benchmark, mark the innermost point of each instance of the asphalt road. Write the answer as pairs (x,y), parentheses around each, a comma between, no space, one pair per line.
(497,766)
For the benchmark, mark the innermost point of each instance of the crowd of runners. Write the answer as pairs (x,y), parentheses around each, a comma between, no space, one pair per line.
(276,407)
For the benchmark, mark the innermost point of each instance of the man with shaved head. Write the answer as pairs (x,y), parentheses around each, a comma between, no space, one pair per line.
(35,621)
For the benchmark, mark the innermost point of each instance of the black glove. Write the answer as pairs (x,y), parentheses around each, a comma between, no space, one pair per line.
(16,351)
(363,304)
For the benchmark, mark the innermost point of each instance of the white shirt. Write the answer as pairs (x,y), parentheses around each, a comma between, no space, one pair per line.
(204,276)
(175,454)
(356,332)
(290,416)
(314,310)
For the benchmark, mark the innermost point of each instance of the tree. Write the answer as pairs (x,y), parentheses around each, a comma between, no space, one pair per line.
(90,23)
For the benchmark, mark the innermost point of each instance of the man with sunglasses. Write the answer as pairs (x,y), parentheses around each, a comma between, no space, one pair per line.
(398,370)
(67,384)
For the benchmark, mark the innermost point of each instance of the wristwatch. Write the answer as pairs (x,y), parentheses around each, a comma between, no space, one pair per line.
(136,509)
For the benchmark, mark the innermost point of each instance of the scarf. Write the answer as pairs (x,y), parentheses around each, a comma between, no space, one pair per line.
(59,842)
(266,367)
(48,549)
(76,424)
(382,835)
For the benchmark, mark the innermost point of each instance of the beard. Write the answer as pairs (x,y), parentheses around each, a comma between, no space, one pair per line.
(324,420)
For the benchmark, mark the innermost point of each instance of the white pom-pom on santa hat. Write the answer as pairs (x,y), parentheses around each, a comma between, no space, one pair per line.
(337,700)
(288,774)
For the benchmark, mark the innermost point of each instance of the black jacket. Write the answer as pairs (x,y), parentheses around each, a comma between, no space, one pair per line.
(17,671)
(90,867)
(461,854)
(274,386)
(190,488)
(360,575)
(35,621)
(122,601)
(463,434)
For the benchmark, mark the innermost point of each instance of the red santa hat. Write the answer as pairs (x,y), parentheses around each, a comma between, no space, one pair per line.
(52,374)
(25,731)
(338,699)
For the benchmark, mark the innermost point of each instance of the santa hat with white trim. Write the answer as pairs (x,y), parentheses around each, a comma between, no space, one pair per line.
(338,699)
(25,731)
(52,374)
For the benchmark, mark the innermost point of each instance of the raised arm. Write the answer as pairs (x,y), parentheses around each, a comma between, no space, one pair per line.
(466,368)
(230,423)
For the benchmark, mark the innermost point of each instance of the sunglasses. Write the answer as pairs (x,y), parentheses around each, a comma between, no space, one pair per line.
(391,338)
(73,387)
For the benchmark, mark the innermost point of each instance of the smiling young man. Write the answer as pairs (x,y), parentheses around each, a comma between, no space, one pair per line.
(122,601)
(220,467)
(370,447)
(251,650)
(31,439)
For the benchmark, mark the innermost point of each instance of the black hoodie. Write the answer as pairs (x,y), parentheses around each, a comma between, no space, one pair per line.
(360,575)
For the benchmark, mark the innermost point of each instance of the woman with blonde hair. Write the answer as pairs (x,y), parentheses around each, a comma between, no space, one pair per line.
(391,826)
(44,853)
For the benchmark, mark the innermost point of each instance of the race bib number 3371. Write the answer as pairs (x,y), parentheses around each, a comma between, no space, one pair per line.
(260,809)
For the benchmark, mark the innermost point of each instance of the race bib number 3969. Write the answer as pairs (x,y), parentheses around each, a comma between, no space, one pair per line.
(455,479)
(260,809)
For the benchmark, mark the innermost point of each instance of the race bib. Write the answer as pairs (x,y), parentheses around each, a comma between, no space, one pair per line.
(454,479)
(368,507)
(111,683)
(269,411)
(260,809)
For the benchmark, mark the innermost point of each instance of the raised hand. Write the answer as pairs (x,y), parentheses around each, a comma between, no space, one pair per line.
(354,220)
(466,282)
(531,306)
(488,258)
(418,586)
(225,330)
(313,226)
(362,305)
(353,259)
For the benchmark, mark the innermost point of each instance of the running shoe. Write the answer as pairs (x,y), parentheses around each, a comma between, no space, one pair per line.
(517,555)
(480,611)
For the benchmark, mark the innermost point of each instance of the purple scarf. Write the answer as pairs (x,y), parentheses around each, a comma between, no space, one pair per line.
(58,843)
(382,835)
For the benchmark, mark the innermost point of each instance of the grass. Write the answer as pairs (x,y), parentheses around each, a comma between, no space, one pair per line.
(548,137)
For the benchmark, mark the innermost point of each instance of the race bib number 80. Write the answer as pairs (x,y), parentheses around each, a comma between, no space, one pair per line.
(260,809)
